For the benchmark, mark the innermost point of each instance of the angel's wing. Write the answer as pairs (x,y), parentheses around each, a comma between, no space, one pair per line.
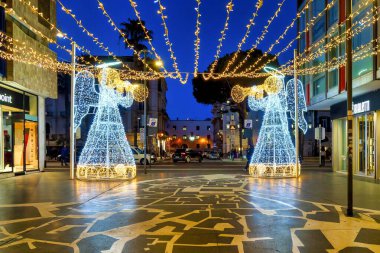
(85,96)
(302,108)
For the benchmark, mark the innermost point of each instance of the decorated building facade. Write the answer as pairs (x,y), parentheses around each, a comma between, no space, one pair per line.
(326,92)
(24,87)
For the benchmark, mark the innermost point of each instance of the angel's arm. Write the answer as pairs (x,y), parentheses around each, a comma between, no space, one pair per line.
(257,104)
(125,100)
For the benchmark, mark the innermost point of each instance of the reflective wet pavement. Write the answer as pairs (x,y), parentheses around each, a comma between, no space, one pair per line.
(184,211)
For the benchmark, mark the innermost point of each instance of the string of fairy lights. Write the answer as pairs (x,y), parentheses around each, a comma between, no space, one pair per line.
(261,37)
(251,23)
(305,61)
(310,58)
(169,44)
(357,28)
(197,40)
(301,59)
(127,74)
(229,9)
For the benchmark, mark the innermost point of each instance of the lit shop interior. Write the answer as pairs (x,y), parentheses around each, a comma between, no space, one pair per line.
(19,127)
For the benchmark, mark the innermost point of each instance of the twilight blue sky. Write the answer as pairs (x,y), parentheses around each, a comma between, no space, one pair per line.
(181,24)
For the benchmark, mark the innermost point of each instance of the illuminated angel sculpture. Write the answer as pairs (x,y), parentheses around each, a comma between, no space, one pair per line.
(106,154)
(274,154)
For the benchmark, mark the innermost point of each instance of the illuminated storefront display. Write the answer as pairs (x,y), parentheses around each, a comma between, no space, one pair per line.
(19,128)
(366,135)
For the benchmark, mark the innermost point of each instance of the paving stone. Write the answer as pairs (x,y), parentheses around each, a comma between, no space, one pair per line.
(95,244)
(369,236)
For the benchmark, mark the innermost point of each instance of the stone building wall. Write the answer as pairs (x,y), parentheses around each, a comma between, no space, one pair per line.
(34,78)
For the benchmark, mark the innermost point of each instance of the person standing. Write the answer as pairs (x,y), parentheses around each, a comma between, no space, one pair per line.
(323,156)
(249,156)
(64,155)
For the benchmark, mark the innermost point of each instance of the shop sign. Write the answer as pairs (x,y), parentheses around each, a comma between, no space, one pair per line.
(248,123)
(153,122)
(361,107)
(12,98)
(320,133)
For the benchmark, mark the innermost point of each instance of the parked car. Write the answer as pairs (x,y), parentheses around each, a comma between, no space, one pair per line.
(187,155)
(205,154)
(139,156)
(213,155)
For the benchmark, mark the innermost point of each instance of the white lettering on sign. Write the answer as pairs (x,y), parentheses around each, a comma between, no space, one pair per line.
(361,107)
(6,98)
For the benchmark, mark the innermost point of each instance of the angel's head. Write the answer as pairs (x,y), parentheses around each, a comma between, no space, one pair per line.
(110,78)
(275,82)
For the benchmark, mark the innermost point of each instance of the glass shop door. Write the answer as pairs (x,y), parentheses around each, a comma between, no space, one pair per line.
(366,145)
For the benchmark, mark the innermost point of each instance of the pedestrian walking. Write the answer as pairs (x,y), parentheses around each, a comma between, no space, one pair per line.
(64,155)
(249,156)
(323,156)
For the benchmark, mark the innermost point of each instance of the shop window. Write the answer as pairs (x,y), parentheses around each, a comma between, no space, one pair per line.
(302,27)
(365,36)
(333,75)
(365,144)
(333,13)
(342,47)
(319,85)
(319,28)
(302,43)
(44,8)
(31,133)
(354,2)
(19,127)
(317,7)
(362,67)
(198,146)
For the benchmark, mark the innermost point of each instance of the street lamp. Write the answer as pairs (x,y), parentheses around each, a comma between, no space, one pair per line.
(158,63)
(108,64)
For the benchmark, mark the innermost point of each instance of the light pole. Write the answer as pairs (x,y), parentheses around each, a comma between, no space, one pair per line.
(158,63)
(350,211)
(72,133)
(145,116)
(296,114)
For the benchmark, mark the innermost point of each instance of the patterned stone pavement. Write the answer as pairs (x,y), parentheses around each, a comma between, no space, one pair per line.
(197,214)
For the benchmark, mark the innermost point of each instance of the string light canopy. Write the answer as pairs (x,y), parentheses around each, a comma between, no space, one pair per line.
(229,9)
(251,71)
(251,23)
(197,41)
